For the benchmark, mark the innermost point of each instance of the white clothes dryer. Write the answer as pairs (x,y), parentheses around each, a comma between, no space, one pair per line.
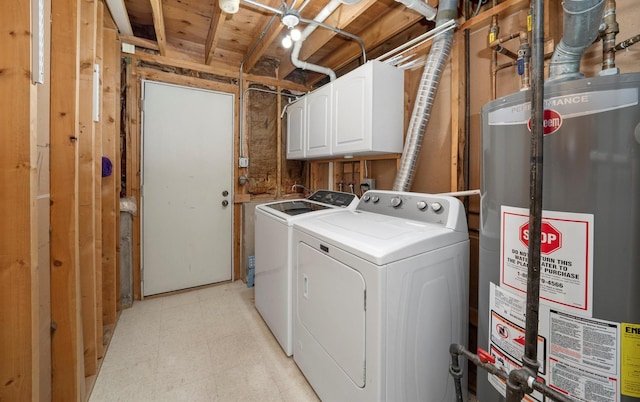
(380,293)
(273,269)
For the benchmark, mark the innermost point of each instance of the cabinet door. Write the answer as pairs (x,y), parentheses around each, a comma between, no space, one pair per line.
(295,129)
(352,112)
(319,122)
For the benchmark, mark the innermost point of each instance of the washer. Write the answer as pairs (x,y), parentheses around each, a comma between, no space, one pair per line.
(273,269)
(380,293)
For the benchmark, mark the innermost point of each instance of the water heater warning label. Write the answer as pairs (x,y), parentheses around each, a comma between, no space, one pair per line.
(566,248)
(630,334)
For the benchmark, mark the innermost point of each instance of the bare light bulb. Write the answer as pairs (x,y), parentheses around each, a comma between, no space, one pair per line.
(295,34)
(287,42)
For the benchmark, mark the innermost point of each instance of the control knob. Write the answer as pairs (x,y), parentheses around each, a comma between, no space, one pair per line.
(366,198)
(396,202)
(422,205)
(375,199)
(436,206)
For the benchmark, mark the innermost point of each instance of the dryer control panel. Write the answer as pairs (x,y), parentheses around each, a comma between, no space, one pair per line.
(432,208)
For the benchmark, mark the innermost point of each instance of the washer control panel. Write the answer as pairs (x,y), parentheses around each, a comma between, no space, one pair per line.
(431,208)
(335,198)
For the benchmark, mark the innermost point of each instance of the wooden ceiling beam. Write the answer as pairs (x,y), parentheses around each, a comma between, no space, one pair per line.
(221,69)
(213,35)
(391,24)
(270,35)
(264,42)
(158,25)
(139,42)
(341,18)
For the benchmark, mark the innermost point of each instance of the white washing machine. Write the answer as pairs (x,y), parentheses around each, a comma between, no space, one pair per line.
(273,268)
(380,293)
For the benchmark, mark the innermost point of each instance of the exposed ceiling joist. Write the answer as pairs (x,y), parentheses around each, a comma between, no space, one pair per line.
(213,35)
(341,18)
(140,42)
(264,42)
(158,24)
(386,27)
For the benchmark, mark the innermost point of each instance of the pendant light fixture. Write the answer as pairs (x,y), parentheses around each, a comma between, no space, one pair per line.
(290,19)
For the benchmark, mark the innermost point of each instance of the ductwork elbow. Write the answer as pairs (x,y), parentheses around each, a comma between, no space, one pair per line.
(421,7)
(581,22)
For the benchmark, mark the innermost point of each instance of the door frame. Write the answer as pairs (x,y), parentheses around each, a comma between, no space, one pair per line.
(234,101)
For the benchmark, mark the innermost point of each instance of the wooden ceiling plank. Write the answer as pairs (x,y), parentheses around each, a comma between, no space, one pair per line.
(341,18)
(272,33)
(158,25)
(213,35)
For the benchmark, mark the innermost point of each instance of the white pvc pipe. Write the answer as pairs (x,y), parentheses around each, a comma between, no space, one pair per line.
(461,193)
(295,52)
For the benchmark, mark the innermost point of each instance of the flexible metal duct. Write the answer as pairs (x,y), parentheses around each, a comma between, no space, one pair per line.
(438,56)
(581,22)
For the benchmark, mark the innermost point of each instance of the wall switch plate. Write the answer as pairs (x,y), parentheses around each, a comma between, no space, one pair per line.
(243,162)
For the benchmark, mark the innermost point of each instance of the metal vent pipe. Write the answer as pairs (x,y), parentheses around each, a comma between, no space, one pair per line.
(580,28)
(436,61)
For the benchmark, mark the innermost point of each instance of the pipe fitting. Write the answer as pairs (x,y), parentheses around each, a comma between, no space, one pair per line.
(421,7)
(581,22)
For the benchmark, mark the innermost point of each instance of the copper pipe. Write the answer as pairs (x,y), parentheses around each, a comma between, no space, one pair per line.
(493,34)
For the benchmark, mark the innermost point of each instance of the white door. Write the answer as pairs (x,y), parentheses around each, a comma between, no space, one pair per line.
(187,176)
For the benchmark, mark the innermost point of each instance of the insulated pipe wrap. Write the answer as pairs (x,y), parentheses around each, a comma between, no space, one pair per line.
(427,89)
(581,22)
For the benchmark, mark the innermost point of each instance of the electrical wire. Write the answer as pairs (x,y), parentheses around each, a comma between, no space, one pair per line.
(480,2)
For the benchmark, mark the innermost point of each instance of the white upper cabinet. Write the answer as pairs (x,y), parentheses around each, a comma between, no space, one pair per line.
(368,110)
(360,113)
(319,123)
(296,112)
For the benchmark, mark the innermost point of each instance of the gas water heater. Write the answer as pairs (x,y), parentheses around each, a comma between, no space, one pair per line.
(589,325)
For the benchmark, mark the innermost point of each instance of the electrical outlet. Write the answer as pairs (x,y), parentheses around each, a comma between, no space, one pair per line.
(368,184)
(243,162)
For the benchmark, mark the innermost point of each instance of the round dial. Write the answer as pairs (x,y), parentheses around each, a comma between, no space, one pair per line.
(396,202)
(422,205)
(436,206)
(375,199)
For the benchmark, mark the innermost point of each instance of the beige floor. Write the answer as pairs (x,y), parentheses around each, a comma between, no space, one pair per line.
(204,345)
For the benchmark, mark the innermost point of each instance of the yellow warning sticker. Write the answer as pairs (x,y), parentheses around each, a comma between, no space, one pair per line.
(630,362)
(529,22)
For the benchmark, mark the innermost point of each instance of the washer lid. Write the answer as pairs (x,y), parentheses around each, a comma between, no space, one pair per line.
(380,239)
(322,201)
(296,207)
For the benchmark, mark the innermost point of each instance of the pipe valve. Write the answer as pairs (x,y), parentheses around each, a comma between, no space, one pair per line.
(486,357)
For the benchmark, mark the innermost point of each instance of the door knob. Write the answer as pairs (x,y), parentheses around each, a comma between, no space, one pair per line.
(225,193)
(225,203)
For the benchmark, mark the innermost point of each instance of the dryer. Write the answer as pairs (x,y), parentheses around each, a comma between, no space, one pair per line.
(273,268)
(380,293)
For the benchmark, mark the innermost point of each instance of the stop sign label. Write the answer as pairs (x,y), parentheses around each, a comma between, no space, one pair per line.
(550,237)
